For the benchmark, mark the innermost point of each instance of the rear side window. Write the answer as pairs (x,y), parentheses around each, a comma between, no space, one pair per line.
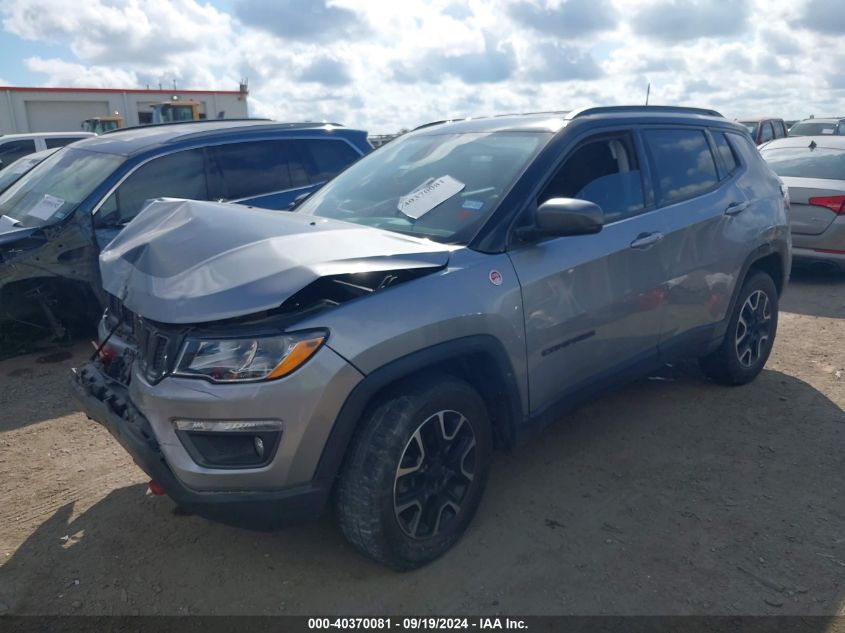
(802,162)
(683,163)
(326,159)
(766,133)
(13,150)
(258,167)
(60,141)
(726,154)
(179,175)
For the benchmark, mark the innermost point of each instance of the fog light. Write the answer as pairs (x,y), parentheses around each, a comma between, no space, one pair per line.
(230,443)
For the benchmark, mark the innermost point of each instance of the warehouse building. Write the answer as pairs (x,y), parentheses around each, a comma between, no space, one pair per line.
(25,110)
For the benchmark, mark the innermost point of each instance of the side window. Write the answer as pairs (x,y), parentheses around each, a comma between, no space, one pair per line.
(841,127)
(60,141)
(766,134)
(13,150)
(683,163)
(604,171)
(327,158)
(781,129)
(726,154)
(180,175)
(258,167)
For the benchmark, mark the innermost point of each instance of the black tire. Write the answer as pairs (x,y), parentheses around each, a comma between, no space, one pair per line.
(751,333)
(400,431)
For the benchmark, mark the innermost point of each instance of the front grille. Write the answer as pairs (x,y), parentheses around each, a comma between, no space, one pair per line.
(152,345)
(157,349)
(119,313)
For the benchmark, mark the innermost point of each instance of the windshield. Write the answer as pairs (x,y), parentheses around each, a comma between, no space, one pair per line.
(802,162)
(813,128)
(751,126)
(438,186)
(51,190)
(20,167)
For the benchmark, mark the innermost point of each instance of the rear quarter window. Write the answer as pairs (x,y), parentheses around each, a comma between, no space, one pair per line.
(683,163)
(726,154)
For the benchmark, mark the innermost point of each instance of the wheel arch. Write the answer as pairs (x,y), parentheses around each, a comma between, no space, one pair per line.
(479,360)
(771,258)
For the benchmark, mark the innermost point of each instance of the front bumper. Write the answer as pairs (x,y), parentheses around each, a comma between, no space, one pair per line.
(110,403)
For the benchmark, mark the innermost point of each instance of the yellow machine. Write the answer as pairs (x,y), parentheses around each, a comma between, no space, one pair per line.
(175,111)
(100,124)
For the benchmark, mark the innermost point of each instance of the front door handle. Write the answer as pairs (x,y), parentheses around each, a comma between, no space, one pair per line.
(736,207)
(646,240)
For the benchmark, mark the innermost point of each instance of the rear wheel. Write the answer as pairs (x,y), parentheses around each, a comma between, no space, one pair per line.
(415,472)
(751,333)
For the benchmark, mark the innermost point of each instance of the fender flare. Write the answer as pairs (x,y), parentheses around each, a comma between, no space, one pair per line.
(505,418)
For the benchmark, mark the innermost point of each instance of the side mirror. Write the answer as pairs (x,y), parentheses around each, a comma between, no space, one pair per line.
(560,217)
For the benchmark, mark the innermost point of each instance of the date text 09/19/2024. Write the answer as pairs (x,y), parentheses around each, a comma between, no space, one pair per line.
(416,624)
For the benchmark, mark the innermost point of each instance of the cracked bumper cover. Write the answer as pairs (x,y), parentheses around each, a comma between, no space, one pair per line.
(108,402)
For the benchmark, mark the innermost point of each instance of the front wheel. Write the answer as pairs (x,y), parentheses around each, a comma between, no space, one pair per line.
(415,472)
(751,333)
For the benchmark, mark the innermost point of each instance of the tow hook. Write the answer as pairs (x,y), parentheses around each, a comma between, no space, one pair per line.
(156,488)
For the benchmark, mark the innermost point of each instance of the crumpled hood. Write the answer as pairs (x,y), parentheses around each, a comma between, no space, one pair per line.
(183,261)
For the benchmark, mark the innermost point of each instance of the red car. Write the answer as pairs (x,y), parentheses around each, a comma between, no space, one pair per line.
(763,130)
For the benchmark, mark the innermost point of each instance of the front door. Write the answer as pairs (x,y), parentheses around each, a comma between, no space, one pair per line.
(593,303)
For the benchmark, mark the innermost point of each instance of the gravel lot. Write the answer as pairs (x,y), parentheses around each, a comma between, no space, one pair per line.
(672,496)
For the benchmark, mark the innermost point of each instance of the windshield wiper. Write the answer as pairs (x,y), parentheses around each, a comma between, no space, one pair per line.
(10,220)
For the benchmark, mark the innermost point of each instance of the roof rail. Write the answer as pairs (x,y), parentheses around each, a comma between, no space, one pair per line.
(641,108)
(549,112)
(198,121)
(430,123)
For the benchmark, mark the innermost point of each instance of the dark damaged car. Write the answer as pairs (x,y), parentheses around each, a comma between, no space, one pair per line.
(452,291)
(55,220)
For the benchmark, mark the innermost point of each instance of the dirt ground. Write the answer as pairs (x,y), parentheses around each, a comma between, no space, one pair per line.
(672,496)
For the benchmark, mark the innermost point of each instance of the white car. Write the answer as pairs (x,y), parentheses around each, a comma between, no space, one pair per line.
(13,146)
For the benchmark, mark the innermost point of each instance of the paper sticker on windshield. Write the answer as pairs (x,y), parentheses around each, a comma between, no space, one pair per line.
(419,202)
(46,207)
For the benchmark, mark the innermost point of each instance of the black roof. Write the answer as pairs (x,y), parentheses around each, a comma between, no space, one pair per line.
(554,120)
(129,141)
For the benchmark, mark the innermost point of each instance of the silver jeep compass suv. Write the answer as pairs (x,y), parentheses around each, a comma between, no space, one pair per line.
(450,292)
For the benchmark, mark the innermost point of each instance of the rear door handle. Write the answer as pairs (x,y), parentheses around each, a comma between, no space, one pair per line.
(646,240)
(736,207)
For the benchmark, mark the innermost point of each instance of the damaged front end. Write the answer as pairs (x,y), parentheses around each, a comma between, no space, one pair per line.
(48,283)
(186,271)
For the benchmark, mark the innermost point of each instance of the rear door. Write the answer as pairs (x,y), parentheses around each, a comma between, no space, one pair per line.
(311,162)
(265,173)
(687,166)
(592,303)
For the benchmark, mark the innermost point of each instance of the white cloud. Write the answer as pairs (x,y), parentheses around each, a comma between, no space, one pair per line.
(62,73)
(383,65)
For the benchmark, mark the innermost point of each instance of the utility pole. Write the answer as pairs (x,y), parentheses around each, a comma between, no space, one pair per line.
(647,92)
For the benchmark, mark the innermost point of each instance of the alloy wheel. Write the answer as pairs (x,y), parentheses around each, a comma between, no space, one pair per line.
(753,328)
(434,474)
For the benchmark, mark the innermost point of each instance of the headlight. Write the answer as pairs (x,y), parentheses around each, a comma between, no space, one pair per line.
(240,359)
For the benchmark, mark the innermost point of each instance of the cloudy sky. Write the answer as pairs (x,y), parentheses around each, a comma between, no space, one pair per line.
(383,65)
